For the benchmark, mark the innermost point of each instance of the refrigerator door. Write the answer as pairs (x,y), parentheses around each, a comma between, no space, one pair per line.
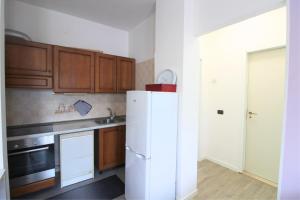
(138,121)
(136,176)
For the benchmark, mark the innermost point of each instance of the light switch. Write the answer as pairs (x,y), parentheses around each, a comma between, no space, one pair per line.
(220,112)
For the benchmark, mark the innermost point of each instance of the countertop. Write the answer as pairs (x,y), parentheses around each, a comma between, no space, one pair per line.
(59,128)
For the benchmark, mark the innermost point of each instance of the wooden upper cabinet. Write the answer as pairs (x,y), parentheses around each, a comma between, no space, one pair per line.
(67,70)
(28,58)
(105,73)
(32,82)
(73,70)
(28,64)
(125,74)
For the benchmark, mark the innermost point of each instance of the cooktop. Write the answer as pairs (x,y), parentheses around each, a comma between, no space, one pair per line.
(29,130)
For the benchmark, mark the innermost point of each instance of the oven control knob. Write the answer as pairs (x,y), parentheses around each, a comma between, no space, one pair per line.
(16,146)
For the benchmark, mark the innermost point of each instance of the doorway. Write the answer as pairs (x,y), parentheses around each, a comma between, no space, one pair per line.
(266,85)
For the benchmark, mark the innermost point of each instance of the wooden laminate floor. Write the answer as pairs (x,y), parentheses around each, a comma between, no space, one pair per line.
(218,183)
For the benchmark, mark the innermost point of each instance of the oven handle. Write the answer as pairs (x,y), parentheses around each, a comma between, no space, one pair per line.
(28,151)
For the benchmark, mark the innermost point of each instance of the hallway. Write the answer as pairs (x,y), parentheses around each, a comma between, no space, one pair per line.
(218,183)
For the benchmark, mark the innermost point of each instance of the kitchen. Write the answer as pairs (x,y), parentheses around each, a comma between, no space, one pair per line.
(66,103)
(76,120)
(33,148)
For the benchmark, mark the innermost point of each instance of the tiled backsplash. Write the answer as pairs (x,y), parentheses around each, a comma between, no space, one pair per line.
(144,74)
(24,106)
(39,106)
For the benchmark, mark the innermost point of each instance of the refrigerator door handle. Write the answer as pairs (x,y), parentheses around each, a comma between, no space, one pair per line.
(140,156)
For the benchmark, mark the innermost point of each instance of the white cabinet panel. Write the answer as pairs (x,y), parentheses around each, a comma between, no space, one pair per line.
(138,116)
(77,157)
(82,167)
(136,179)
(76,146)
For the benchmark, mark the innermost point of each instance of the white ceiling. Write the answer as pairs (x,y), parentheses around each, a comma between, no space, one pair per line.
(122,14)
(215,14)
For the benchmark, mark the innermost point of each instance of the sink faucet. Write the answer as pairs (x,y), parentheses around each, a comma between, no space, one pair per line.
(112,115)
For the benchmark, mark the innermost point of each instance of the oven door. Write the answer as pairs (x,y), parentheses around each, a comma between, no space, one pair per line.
(31,164)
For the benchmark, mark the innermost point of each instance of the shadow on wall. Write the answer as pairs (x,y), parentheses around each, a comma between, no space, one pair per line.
(144,74)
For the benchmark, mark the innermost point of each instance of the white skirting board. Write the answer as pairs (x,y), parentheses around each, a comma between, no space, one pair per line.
(188,196)
(224,164)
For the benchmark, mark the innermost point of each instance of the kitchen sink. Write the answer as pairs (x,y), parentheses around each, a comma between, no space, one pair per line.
(107,120)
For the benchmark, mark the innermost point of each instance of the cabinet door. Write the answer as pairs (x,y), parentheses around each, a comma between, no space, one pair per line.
(125,74)
(73,70)
(121,144)
(106,73)
(28,58)
(111,147)
(77,164)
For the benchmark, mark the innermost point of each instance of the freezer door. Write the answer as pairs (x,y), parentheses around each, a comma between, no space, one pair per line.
(138,120)
(136,176)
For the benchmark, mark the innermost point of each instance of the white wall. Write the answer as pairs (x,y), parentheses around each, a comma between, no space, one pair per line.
(289,184)
(48,26)
(176,49)
(141,47)
(141,40)
(2,86)
(215,14)
(224,79)
(4,188)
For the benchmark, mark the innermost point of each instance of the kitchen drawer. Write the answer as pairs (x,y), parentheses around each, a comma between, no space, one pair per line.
(37,82)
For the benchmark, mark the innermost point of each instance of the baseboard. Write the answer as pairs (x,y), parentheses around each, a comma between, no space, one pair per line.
(224,164)
(260,179)
(200,159)
(188,196)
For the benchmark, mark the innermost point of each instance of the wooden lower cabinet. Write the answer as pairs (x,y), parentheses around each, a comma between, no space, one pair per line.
(33,187)
(110,147)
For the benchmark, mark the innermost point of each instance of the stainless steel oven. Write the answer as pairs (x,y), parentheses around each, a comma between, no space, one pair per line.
(31,160)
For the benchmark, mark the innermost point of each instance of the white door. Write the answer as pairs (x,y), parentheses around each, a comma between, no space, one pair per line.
(138,116)
(136,176)
(265,113)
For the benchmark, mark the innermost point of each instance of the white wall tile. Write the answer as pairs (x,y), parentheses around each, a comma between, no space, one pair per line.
(38,106)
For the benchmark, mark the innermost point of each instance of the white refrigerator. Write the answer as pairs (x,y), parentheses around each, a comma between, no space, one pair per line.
(151,140)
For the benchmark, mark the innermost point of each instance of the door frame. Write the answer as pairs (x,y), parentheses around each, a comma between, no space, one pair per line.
(3,139)
(245,124)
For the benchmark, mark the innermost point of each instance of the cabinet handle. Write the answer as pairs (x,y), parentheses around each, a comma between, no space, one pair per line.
(28,151)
